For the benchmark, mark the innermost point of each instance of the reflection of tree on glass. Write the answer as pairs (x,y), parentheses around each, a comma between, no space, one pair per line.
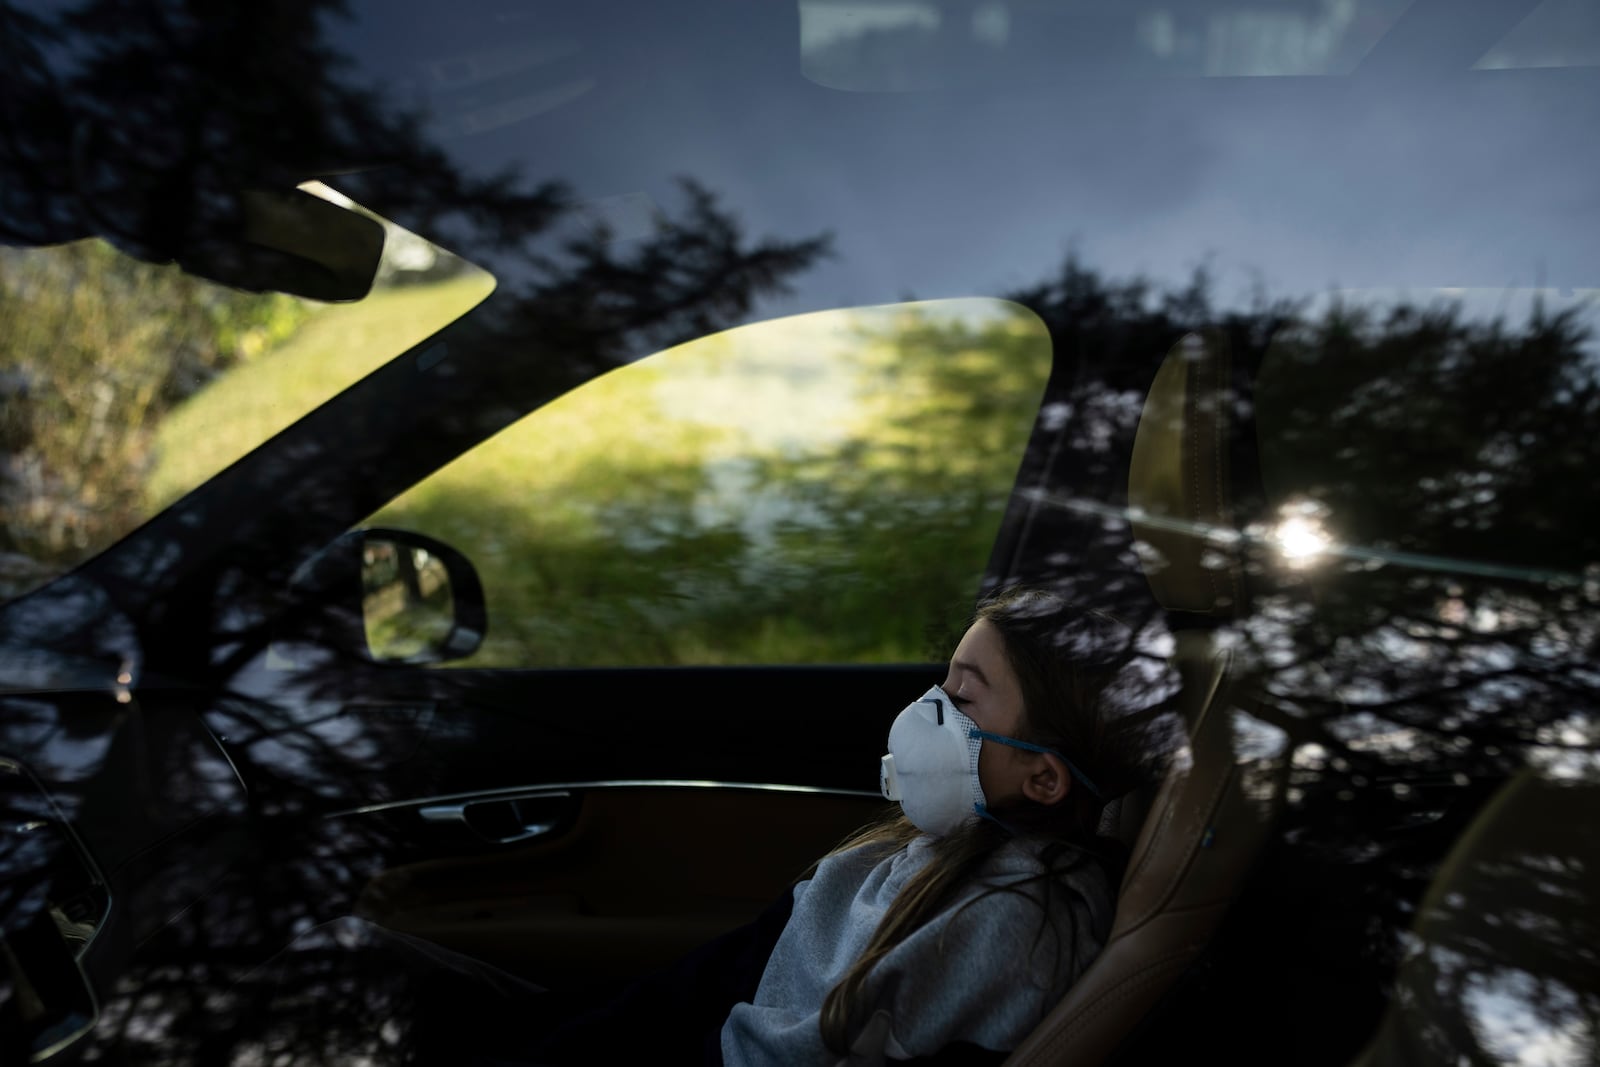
(1411,488)
(167,182)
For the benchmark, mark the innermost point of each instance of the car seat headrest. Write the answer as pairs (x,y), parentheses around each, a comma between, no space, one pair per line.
(1179,485)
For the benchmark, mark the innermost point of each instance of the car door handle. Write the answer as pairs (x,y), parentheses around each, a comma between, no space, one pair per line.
(506,820)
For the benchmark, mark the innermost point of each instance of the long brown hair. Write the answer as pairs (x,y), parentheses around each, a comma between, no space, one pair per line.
(1072,668)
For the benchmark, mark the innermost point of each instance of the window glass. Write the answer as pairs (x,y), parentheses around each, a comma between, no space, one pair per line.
(806,490)
(125,384)
(896,46)
(1372,508)
(1557,33)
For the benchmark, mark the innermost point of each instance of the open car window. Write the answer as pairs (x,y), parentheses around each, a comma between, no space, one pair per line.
(811,489)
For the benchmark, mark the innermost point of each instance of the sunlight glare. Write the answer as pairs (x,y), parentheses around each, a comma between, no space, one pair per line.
(1301,540)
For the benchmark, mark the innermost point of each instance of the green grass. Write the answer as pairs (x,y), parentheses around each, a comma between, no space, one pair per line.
(338,346)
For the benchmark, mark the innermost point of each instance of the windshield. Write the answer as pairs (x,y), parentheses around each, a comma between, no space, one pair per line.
(127,383)
(1288,152)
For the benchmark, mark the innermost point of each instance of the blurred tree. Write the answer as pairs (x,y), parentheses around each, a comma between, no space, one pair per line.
(98,348)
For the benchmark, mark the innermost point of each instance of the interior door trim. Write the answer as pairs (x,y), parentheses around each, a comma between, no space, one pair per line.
(618,783)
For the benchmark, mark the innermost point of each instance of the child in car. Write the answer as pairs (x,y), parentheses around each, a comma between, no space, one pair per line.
(946,932)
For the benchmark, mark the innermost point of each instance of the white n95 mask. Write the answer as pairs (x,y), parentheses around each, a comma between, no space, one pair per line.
(932,765)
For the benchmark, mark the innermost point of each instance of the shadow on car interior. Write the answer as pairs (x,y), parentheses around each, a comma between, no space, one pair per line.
(1193,836)
(1501,925)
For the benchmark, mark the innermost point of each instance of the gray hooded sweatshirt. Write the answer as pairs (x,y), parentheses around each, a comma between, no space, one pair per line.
(984,974)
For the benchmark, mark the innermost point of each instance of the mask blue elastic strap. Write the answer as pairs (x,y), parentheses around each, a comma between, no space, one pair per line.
(1077,775)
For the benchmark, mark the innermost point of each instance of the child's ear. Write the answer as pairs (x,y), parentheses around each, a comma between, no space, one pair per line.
(1048,780)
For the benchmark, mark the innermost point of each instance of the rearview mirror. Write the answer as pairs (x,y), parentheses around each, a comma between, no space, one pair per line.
(290,241)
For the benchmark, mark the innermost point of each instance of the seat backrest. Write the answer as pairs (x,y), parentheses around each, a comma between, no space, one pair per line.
(1209,817)
(1502,964)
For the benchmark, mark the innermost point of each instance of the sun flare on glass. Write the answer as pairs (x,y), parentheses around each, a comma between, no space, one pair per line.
(1301,540)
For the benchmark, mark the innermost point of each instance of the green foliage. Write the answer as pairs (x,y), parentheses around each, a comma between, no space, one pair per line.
(818,489)
(127,384)
(98,348)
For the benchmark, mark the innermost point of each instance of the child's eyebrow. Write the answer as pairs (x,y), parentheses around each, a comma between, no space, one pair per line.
(973,668)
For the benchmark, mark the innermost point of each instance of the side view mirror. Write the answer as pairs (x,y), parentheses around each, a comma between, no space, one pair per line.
(394,596)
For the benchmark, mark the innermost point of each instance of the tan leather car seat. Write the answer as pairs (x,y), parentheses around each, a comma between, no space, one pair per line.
(1502,965)
(1208,819)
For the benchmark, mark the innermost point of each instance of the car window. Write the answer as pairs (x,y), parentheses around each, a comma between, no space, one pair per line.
(127,383)
(1394,545)
(811,489)
(1279,345)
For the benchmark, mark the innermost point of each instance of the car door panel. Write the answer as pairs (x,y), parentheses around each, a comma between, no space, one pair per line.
(561,824)
(641,874)
(467,732)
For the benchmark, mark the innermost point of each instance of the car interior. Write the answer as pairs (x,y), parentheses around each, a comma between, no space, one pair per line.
(1193,841)
(599,871)
(580,904)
